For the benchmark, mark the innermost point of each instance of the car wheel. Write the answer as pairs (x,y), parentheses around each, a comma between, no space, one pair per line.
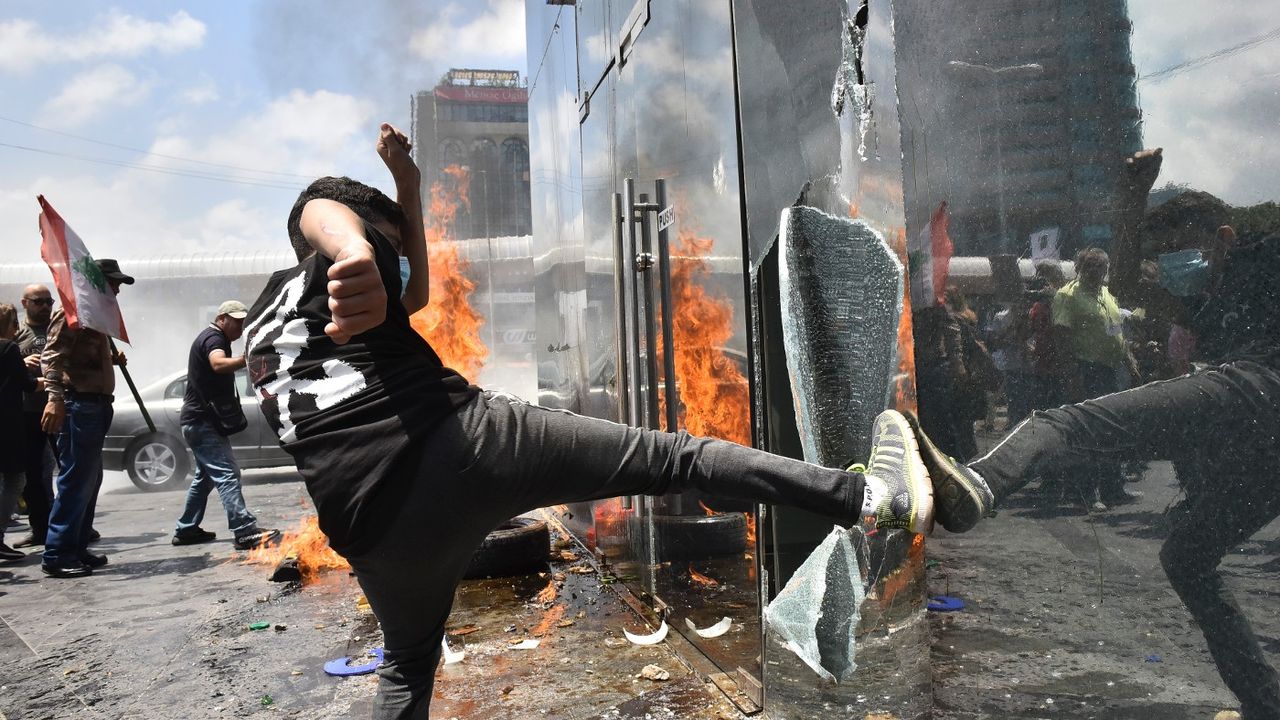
(157,462)
(519,546)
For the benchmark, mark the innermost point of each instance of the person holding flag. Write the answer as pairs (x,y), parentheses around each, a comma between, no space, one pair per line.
(78,362)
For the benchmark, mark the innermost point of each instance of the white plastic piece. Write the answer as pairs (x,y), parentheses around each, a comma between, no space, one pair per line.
(451,657)
(714,631)
(529,644)
(653,639)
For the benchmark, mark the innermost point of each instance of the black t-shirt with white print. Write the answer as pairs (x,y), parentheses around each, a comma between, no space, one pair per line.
(350,415)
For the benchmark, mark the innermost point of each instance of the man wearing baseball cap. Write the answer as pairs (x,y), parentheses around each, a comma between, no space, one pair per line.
(210,415)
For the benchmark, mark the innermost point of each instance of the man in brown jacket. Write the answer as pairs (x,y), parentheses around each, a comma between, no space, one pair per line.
(80,377)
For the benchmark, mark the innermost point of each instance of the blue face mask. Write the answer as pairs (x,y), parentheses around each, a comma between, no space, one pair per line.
(1184,273)
(404,275)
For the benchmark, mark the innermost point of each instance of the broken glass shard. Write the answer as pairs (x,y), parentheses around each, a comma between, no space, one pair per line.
(841,287)
(816,613)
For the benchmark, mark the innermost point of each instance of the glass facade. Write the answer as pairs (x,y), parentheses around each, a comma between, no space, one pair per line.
(1123,407)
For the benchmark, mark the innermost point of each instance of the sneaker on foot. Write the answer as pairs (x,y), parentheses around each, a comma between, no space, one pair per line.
(961,495)
(9,555)
(195,536)
(895,468)
(256,539)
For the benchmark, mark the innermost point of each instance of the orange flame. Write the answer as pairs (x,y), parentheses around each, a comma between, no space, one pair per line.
(904,392)
(706,509)
(700,579)
(308,544)
(547,594)
(713,391)
(449,322)
(751,532)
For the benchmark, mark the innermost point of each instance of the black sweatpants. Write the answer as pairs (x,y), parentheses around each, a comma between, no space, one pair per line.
(498,457)
(1220,427)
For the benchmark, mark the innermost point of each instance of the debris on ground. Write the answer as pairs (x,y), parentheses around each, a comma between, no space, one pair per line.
(654,672)
(652,639)
(259,625)
(527,644)
(714,631)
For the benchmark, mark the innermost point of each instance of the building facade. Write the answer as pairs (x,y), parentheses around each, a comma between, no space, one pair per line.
(478,119)
(1031,108)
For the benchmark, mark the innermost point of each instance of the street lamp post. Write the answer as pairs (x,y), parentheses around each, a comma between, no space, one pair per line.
(996,73)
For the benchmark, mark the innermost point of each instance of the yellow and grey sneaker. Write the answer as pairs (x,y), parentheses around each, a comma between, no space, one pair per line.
(962,496)
(898,492)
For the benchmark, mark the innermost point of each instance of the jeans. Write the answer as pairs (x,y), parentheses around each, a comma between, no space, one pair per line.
(498,457)
(215,468)
(11,484)
(1220,428)
(79,478)
(39,490)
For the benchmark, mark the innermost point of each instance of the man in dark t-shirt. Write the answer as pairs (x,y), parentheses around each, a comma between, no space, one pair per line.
(211,381)
(1219,426)
(410,466)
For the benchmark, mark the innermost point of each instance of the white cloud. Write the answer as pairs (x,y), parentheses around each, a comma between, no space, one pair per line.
(24,44)
(91,92)
(131,213)
(201,93)
(496,34)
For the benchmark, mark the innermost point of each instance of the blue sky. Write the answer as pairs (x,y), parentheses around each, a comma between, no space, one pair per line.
(264,95)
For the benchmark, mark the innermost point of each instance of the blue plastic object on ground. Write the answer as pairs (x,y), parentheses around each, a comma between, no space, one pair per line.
(945,603)
(340,668)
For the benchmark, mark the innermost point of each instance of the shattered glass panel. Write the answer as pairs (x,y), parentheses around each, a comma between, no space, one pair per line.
(841,291)
(816,614)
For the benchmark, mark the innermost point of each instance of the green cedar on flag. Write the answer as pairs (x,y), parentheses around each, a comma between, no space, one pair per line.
(86,297)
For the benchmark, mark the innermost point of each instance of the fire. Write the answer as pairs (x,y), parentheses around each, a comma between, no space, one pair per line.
(751,531)
(449,322)
(547,594)
(700,579)
(904,392)
(706,509)
(713,391)
(308,544)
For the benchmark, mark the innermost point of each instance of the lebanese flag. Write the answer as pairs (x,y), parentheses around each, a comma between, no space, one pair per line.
(930,260)
(86,296)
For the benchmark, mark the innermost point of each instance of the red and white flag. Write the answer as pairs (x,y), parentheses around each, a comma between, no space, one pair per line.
(84,292)
(930,260)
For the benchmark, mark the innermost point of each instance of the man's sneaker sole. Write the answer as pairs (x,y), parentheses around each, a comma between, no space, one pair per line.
(960,501)
(262,539)
(915,511)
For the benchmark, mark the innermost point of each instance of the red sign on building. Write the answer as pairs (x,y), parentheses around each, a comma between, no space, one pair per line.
(458,93)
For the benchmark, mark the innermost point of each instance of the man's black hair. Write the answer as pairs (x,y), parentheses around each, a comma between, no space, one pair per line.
(367,202)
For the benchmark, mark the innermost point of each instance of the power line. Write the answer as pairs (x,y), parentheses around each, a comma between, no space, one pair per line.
(555,28)
(148,152)
(165,171)
(1211,57)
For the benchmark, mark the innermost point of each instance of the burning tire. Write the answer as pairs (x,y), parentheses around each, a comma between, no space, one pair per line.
(691,537)
(519,546)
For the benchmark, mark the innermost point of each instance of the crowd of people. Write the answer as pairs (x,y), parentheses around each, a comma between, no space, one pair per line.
(56,405)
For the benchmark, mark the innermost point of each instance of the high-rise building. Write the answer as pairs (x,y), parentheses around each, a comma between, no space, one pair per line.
(1019,114)
(478,119)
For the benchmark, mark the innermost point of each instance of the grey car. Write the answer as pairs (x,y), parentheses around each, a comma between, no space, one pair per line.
(160,460)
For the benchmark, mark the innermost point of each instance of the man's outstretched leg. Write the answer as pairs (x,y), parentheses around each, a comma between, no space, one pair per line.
(498,457)
(1158,421)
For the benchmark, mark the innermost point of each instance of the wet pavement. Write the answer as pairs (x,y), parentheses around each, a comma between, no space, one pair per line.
(165,632)
(1069,615)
